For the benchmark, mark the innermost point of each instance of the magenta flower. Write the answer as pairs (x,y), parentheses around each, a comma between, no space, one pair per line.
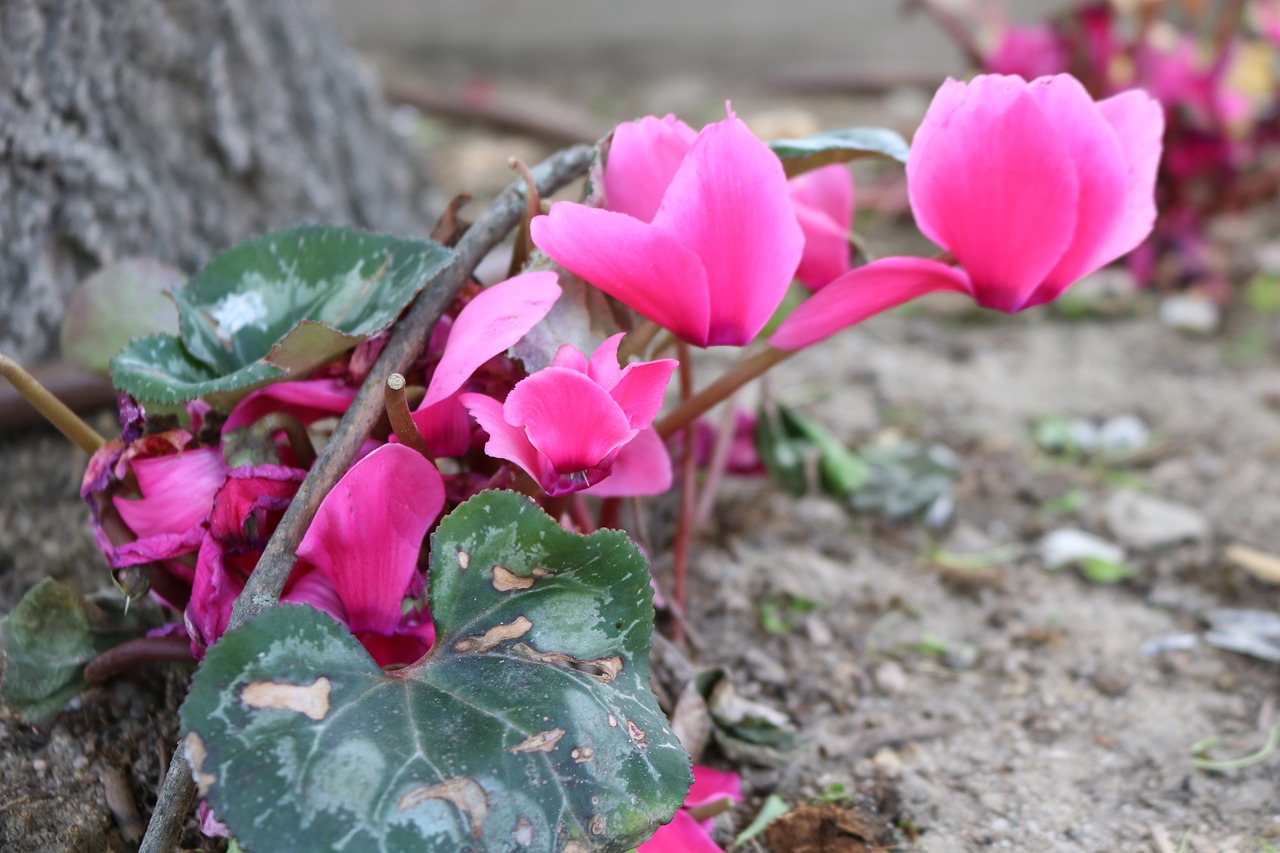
(715,259)
(570,425)
(488,325)
(1030,186)
(1030,51)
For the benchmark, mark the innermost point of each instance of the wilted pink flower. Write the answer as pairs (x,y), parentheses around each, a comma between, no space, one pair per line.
(569,424)
(686,835)
(715,258)
(1029,185)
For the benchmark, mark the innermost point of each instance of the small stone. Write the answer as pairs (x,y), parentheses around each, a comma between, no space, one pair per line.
(819,631)
(888,763)
(890,678)
(1068,546)
(1146,523)
(1110,683)
(1123,434)
(1193,314)
(39,765)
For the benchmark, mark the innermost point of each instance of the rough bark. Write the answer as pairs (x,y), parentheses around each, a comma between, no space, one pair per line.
(174,129)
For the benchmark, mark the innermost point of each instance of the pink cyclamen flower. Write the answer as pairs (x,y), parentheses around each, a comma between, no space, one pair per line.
(715,258)
(686,835)
(1028,51)
(568,425)
(1031,186)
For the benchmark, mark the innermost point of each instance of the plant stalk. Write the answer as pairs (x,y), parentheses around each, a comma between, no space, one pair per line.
(405,344)
(54,410)
(731,380)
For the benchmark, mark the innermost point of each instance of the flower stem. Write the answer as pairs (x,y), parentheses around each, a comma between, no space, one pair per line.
(304,452)
(136,652)
(730,381)
(688,499)
(401,421)
(53,409)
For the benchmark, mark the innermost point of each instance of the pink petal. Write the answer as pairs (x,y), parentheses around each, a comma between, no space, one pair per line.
(568,356)
(445,427)
(641,389)
(490,324)
(729,204)
(823,202)
(992,182)
(603,368)
(212,593)
(1138,122)
(862,293)
(1028,51)
(368,531)
(307,400)
(643,157)
(710,785)
(177,491)
(505,441)
(1100,167)
(308,585)
(632,261)
(571,420)
(682,835)
(642,467)
(251,493)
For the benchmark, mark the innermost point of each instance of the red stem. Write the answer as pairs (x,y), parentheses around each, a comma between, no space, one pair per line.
(134,653)
(610,514)
(688,500)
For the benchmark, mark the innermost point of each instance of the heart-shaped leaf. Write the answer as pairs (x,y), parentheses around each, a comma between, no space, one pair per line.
(277,306)
(49,637)
(839,146)
(528,726)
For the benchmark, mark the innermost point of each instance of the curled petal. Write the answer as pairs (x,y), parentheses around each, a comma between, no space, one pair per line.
(823,201)
(490,324)
(642,467)
(368,531)
(1100,166)
(307,400)
(862,293)
(641,388)
(645,267)
(505,441)
(177,493)
(729,205)
(643,157)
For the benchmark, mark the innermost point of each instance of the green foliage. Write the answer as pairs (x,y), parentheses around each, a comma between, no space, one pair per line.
(529,725)
(274,307)
(839,146)
(1106,572)
(771,809)
(46,641)
(118,303)
(798,451)
(905,478)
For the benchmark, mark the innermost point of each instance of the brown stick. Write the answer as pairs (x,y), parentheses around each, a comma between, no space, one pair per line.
(557,126)
(406,342)
(401,420)
(54,410)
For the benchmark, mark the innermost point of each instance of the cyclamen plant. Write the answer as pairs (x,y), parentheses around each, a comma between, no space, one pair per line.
(496,696)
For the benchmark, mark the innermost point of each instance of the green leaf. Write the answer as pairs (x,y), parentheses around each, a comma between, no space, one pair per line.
(120,302)
(46,641)
(529,725)
(1105,572)
(793,446)
(839,146)
(771,809)
(276,306)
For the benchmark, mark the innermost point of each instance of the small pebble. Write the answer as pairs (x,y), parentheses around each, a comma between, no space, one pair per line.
(1110,683)
(890,678)
(888,763)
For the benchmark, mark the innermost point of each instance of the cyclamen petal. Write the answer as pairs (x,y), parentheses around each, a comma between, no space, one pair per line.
(823,203)
(368,531)
(862,293)
(177,492)
(307,399)
(490,324)
(643,157)
(586,439)
(642,467)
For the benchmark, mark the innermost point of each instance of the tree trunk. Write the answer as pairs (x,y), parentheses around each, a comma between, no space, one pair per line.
(173,129)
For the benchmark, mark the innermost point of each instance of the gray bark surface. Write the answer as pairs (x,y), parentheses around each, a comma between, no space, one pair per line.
(174,129)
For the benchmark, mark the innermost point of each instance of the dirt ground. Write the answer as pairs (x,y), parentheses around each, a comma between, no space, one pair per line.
(1000,707)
